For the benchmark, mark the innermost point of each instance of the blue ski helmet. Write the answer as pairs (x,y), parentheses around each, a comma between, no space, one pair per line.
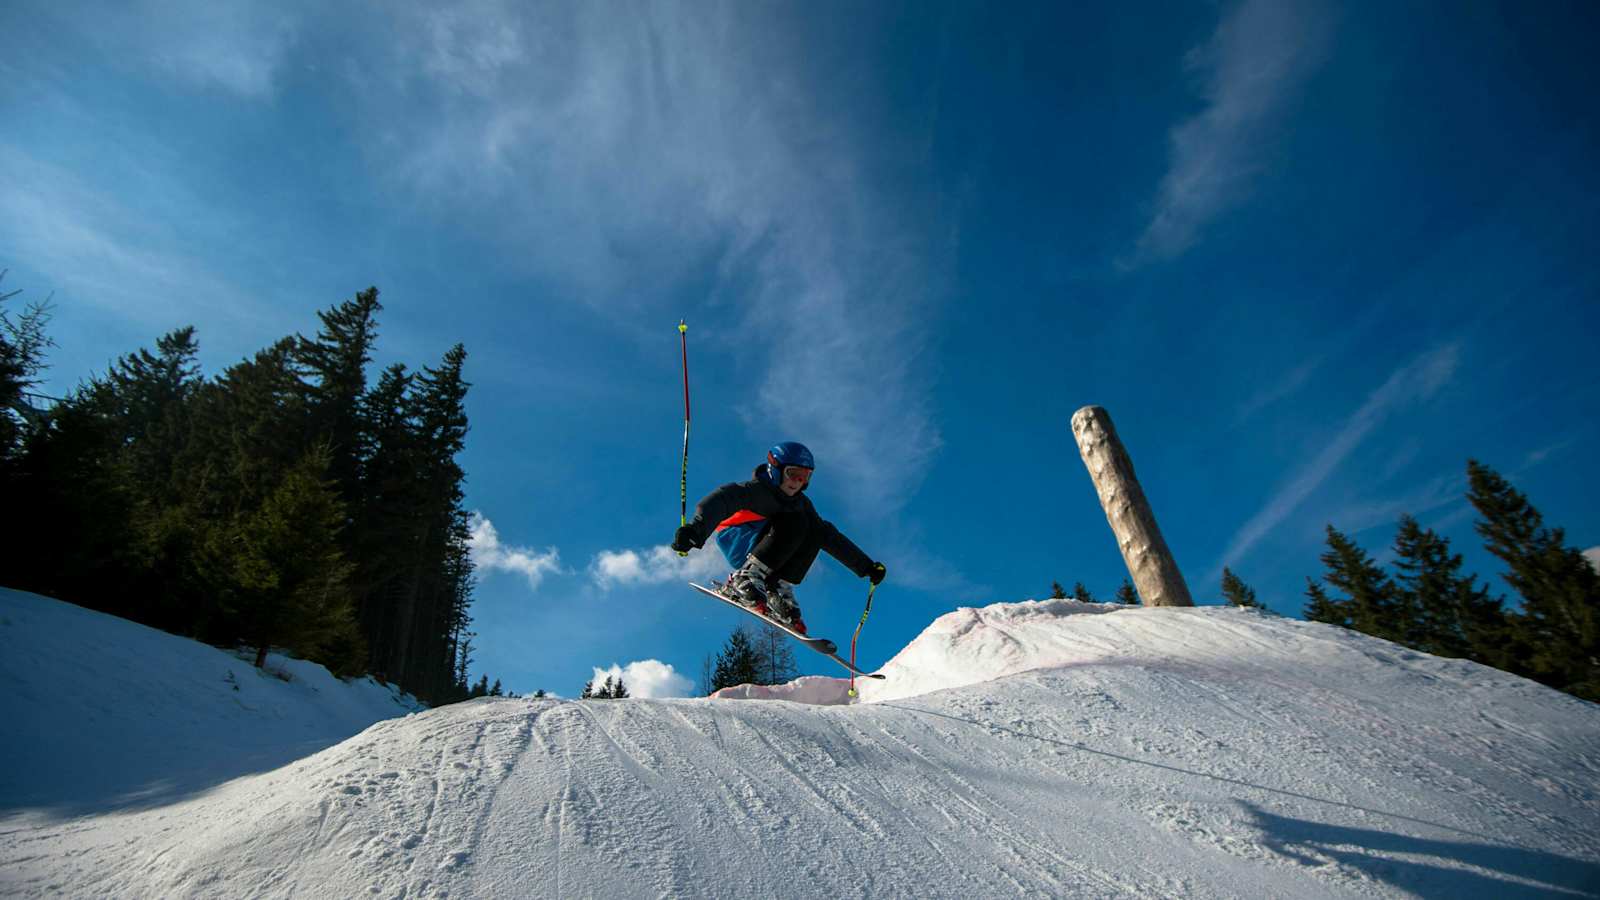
(788,453)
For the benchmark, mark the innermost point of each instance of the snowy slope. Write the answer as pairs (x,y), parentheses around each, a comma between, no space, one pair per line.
(101,712)
(1047,749)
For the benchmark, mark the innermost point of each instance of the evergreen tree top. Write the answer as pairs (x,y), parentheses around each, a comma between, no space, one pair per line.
(1126,594)
(1236,592)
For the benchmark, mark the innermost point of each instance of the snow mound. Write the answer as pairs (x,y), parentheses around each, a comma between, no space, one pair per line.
(1206,753)
(817,690)
(973,645)
(103,712)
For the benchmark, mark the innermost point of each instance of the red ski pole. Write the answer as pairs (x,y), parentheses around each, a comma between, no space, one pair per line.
(683,483)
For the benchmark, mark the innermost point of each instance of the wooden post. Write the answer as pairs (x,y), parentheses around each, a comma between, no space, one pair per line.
(1155,573)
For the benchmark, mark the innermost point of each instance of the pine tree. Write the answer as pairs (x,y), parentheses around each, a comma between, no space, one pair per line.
(416,591)
(463,661)
(774,653)
(102,468)
(153,391)
(705,675)
(249,435)
(588,691)
(1456,617)
(540,694)
(737,663)
(1081,593)
(1375,606)
(1321,608)
(387,517)
(442,592)
(620,690)
(1556,635)
(22,345)
(1126,594)
(336,360)
(287,576)
(1236,592)
(72,480)
(1057,592)
(157,398)
(609,691)
(496,690)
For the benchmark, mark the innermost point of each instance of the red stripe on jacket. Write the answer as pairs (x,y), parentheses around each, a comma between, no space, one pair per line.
(739,518)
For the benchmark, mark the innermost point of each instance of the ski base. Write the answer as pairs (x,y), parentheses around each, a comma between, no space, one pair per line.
(821,645)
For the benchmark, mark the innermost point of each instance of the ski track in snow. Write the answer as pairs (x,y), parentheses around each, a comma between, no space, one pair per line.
(1040,750)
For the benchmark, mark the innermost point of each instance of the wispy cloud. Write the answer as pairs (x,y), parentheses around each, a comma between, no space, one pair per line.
(1276,390)
(489,554)
(142,261)
(241,49)
(1538,456)
(1436,493)
(624,154)
(1417,381)
(1260,54)
(657,565)
(238,47)
(646,678)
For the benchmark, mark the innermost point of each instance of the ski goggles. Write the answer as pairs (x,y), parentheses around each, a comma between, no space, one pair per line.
(797,473)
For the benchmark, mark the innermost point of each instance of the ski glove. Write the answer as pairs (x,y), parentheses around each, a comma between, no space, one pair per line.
(877,573)
(684,541)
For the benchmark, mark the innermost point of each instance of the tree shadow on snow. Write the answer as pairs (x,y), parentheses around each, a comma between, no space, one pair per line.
(1498,870)
(134,781)
(1521,872)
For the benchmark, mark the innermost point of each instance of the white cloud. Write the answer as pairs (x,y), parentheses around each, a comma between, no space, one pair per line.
(488,553)
(1593,555)
(1259,55)
(646,678)
(657,565)
(1417,381)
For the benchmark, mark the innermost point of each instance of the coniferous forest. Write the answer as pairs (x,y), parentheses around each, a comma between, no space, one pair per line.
(1552,635)
(285,503)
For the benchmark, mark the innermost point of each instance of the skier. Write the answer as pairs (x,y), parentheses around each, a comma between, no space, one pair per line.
(768,530)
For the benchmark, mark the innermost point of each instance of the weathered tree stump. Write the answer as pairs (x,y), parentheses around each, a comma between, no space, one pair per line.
(1154,571)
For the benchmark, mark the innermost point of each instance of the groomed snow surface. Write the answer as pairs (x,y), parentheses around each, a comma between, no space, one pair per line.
(1047,749)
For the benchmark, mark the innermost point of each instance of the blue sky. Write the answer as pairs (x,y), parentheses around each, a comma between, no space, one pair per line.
(1310,257)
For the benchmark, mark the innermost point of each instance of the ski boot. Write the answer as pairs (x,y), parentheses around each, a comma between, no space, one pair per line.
(782,606)
(747,585)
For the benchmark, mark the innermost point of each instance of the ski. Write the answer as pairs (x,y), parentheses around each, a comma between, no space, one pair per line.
(821,645)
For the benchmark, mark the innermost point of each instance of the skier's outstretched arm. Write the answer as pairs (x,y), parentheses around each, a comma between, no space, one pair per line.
(713,508)
(847,553)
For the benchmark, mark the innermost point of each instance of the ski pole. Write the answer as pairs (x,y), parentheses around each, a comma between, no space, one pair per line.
(683,482)
(853,637)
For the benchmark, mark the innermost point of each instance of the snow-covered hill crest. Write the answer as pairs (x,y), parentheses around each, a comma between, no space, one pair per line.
(103,713)
(1038,749)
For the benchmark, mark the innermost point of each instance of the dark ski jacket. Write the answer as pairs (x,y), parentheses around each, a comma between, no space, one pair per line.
(738,512)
